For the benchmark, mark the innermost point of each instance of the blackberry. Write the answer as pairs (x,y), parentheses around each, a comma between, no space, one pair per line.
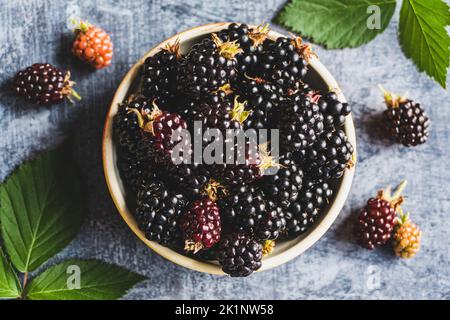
(239,255)
(333,111)
(136,156)
(378,218)
(135,172)
(126,127)
(92,45)
(159,76)
(301,215)
(162,126)
(285,62)
(208,66)
(221,114)
(406,121)
(251,40)
(189,178)
(262,97)
(44,84)
(299,121)
(284,186)
(201,225)
(328,157)
(196,109)
(247,210)
(247,168)
(158,211)
(406,238)
(266,225)
(244,200)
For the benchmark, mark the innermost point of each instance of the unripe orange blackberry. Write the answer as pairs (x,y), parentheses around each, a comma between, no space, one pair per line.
(92,45)
(406,238)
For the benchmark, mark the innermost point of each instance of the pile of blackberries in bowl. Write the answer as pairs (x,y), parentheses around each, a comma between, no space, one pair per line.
(227,213)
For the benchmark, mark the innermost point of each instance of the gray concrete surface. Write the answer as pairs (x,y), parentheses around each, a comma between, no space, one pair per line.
(335,268)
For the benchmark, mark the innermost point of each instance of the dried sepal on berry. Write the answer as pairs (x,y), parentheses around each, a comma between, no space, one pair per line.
(174,48)
(227,49)
(406,237)
(268,247)
(214,190)
(226,89)
(239,113)
(303,49)
(259,34)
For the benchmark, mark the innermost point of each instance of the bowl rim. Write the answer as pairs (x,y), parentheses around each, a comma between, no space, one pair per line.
(111,175)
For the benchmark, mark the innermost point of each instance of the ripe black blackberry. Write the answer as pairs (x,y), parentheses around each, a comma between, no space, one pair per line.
(44,84)
(159,76)
(301,215)
(239,255)
(208,66)
(247,166)
(328,157)
(251,40)
(285,62)
(223,114)
(158,211)
(300,122)
(247,210)
(126,127)
(284,186)
(266,225)
(262,97)
(136,155)
(219,113)
(406,120)
(334,111)
(378,218)
(195,181)
(243,200)
(135,172)
(195,108)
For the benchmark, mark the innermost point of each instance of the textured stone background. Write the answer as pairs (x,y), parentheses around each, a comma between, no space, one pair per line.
(38,31)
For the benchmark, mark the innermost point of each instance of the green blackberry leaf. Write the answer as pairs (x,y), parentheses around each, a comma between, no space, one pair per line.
(9,283)
(82,280)
(336,23)
(41,209)
(423,36)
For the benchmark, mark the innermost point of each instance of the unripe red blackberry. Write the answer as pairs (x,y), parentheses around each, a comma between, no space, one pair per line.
(162,126)
(44,84)
(201,225)
(378,218)
(406,120)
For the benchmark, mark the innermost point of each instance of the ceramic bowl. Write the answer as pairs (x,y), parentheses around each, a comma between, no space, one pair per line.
(318,77)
